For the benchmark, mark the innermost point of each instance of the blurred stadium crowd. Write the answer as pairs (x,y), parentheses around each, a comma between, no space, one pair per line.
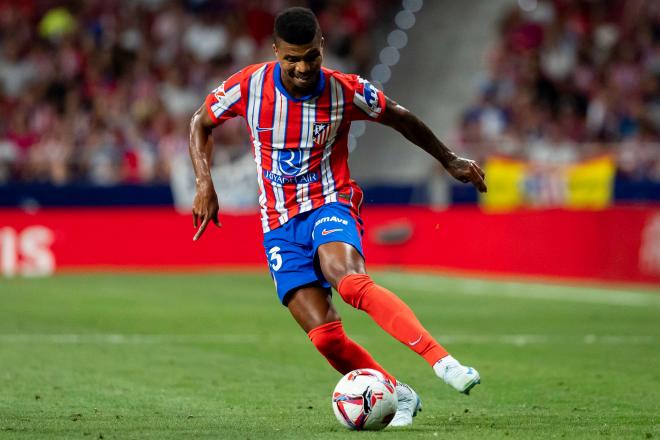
(570,79)
(102,91)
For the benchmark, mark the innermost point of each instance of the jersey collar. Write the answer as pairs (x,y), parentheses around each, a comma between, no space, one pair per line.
(278,83)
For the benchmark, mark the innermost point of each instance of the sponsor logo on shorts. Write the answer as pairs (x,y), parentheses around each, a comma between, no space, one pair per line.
(329,231)
(331,219)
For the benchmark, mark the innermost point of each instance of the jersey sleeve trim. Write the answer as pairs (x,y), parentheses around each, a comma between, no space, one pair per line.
(226,102)
(222,103)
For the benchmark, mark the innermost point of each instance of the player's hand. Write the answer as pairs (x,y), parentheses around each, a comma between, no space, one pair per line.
(205,209)
(466,170)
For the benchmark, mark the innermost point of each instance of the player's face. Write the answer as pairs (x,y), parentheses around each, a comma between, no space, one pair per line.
(300,64)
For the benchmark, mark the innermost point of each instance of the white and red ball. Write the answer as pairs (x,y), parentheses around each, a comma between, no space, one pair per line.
(364,400)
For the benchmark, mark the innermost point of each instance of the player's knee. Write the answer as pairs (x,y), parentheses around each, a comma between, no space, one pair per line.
(339,259)
(352,288)
(334,271)
(328,338)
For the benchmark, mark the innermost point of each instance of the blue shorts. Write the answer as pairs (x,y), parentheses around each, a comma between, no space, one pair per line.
(291,248)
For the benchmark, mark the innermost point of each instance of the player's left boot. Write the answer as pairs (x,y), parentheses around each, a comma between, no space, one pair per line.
(460,377)
(409,405)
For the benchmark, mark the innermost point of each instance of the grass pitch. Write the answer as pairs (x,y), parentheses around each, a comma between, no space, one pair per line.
(215,356)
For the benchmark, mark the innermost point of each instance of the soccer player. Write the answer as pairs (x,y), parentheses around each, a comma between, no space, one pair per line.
(299,114)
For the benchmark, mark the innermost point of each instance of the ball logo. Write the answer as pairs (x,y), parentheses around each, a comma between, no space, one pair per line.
(364,400)
(343,401)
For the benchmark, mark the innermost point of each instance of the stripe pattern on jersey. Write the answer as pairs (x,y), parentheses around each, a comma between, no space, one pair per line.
(278,144)
(300,146)
(255,86)
(306,145)
(336,114)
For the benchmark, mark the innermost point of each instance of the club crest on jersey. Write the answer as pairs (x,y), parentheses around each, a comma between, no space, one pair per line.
(321,132)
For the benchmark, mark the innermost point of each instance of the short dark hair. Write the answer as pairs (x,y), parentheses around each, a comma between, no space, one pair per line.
(296,25)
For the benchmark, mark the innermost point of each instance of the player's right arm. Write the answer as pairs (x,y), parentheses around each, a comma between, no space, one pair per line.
(205,204)
(223,103)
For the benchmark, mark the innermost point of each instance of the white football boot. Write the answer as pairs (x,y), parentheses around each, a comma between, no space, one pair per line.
(460,377)
(409,405)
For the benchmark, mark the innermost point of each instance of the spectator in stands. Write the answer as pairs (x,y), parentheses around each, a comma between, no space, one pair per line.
(101,92)
(566,75)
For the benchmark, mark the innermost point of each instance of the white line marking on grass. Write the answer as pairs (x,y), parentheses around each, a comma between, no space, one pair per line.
(510,289)
(136,339)
(522,340)
(113,338)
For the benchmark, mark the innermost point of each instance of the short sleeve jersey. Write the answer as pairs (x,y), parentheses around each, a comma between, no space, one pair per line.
(300,144)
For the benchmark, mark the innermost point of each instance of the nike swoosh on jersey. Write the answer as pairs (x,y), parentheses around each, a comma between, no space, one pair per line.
(260,129)
(413,343)
(329,231)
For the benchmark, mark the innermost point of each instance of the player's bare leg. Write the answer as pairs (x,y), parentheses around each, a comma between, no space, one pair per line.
(344,268)
(312,308)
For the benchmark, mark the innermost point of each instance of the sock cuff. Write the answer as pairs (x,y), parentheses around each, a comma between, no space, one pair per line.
(352,279)
(328,327)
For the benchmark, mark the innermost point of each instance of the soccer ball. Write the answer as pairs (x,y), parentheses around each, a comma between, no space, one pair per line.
(364,400)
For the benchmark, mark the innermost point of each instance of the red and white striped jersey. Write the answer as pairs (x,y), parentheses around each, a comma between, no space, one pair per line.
(300,145)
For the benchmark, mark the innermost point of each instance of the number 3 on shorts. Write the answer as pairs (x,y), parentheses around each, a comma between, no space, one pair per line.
(275,258)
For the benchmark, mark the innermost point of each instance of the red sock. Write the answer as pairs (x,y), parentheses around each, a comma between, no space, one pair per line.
(343,353)
(392,314)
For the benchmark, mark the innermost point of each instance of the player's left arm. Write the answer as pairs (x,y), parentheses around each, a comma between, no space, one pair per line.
(416,131)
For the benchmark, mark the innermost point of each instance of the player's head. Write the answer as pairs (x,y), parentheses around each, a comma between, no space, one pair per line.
(298,46)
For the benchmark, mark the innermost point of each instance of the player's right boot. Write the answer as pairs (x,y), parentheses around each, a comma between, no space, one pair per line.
(408,407)
(460,377)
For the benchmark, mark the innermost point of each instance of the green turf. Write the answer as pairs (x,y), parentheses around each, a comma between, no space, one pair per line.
(215,356)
